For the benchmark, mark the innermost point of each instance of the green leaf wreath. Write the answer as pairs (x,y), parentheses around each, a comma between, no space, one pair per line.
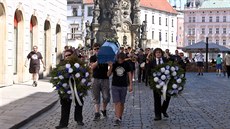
(70,71)
(168,75)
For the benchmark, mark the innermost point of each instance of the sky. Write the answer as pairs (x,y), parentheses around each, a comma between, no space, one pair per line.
(178,3)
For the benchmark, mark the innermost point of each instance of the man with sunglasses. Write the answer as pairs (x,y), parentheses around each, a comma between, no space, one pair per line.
(35,57)
(100,84)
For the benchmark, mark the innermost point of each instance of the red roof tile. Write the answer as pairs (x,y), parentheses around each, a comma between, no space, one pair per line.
(161,5)
(88,1)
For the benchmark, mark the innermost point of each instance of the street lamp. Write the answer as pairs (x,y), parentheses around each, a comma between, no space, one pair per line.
(206,66)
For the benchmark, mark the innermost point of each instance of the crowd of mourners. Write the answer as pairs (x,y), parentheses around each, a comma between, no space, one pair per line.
(130,65)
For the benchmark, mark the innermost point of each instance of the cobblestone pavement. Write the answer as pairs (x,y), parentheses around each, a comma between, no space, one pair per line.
(204,104)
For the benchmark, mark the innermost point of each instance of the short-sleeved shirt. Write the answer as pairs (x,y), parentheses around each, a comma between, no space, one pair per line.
(34,58)
(100,72)
(218,60)
(120,74)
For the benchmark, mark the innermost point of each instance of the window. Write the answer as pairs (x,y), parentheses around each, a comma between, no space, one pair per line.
(166,37)
(74,12)
(224,30)
(224,41)
(153,20)
(189,42)
(190,19)
(203,19)
(217,30)
(159,20)
(146,17)
(193,31)
(172,22)
(193,41)
(203,31)
(166,21)
(210,31)
(217,19)
(190,31)
(194,19)
(159,36)
(224,18)
(74,30)
(172,37)
(90,11)
(217,41)
(210,19)
(152,34)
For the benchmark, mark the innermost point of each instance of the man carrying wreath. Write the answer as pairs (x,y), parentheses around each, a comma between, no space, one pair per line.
(158,107)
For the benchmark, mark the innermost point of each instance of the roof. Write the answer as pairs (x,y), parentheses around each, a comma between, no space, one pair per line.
(162,5)
(88,1)
(213,4)
(201,46)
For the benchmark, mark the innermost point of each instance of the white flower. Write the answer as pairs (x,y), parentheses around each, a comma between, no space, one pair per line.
(167,67)
(70,70)
(178,80)
(174,86)
(69,92)
(89,84)
(67,66)
(166,72)
(61,77)
(163,77)
(76,65)
(83,80)
(172,69)
(55,77)
(77,75)
(86,74)
(174,73)
(158,86)
(162,83)
(162,69)
(156,79)
(64,85)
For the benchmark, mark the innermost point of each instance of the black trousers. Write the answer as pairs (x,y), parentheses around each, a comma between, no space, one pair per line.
(158,107)
(141,74)
(65,111)
(228,70)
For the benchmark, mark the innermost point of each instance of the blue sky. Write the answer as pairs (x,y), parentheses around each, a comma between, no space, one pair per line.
(178,2)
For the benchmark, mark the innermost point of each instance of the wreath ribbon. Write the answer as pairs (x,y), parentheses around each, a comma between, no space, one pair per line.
(164,90)
(74,91)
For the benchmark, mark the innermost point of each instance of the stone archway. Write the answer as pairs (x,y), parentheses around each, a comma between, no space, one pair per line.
(33,31)
(58,49)
(2,43)
(47,47)
(18,46)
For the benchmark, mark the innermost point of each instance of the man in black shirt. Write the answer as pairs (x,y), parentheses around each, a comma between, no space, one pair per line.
(100,83)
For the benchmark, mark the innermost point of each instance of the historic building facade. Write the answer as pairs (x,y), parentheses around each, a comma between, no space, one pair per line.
(24,24)
(160,17)
(211,19)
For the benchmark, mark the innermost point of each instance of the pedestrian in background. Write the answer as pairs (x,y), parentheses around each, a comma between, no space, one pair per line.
(158,107)
(35,57)
(199,58)
(66,104)
(218,65)
(100,84)
(227,63)
(122,79)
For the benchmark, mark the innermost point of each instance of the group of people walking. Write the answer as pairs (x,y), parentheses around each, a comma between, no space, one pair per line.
(128,63)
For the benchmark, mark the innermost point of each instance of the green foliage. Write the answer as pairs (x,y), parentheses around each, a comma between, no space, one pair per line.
(61,75)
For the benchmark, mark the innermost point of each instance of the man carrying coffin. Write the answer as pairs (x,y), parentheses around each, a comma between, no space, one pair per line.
(100,83)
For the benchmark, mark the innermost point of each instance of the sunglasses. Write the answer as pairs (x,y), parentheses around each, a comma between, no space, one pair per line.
(96,48)
(68,55)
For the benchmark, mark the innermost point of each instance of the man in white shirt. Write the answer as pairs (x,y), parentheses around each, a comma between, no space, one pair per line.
(199,58)
(227,63)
